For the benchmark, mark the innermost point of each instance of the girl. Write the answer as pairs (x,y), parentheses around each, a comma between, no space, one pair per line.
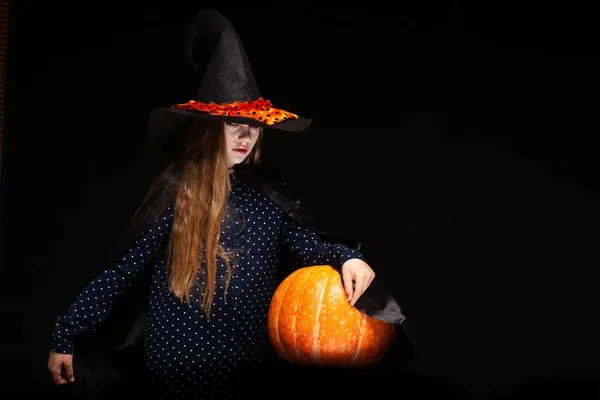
(215,242)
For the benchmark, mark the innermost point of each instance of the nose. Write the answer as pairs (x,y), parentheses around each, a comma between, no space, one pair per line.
(245,131)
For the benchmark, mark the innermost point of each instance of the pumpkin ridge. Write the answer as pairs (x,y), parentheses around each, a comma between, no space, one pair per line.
(279,304)
(317,326)
(360,340)
(304,274)
(277,328)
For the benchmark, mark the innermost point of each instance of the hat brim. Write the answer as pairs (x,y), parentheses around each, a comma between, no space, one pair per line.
(164,121)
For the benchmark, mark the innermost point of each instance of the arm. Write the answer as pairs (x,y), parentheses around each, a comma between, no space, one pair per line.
(94,303)
(308,248)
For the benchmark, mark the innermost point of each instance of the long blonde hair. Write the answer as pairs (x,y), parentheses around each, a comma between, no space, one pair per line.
(196,183)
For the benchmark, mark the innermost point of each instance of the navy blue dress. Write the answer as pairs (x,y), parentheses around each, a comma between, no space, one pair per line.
(188,356)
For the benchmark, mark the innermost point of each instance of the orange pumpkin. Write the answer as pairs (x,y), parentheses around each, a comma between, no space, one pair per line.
(311,322)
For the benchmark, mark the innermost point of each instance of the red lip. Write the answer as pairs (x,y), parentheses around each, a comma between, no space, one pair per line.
(240,150)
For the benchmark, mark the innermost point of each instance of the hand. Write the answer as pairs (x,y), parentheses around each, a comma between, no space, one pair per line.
(61,367)
(356,276)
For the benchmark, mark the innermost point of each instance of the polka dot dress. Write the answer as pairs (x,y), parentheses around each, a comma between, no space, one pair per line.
(188,356)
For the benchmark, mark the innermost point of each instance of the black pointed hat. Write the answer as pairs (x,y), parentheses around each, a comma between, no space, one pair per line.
(228,89)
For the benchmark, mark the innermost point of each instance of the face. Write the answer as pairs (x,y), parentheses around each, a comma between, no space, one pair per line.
(239,141)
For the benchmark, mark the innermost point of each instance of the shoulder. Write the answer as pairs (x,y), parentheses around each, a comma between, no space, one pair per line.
(278,180)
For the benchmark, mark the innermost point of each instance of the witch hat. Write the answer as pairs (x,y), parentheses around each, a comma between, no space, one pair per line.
(228,89)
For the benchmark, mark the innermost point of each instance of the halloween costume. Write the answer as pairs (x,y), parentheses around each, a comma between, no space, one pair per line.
(188,356)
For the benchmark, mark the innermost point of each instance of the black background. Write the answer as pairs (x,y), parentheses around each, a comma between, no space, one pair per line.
(455,139)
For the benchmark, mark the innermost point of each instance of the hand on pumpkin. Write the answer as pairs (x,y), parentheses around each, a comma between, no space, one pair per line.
(356,276)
